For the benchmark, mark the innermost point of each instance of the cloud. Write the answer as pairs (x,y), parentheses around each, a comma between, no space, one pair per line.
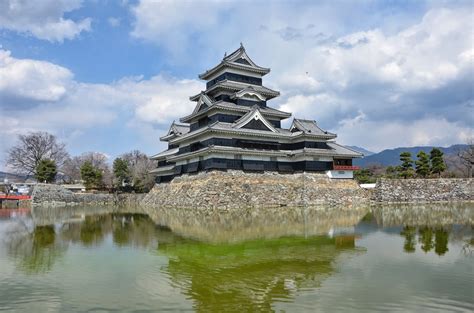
(43,19)
(403,83)
(26,82)
(169,102)
(408,83)
(90,114)
(379,135)
(170,19)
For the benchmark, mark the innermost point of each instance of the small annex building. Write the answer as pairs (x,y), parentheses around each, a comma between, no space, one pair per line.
(232,127)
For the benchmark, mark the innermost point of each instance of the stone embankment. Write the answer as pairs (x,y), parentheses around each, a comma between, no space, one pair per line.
(423,190)
(236,189)
(55,195)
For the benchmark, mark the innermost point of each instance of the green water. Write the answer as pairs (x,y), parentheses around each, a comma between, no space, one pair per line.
(393,259)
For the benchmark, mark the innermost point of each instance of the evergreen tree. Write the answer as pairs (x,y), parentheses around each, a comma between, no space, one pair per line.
(46,171)
(92,176)
(121,172)
(422,165)
(426,238)
(391,172)
(406,169)
(409,232)
(364,176)
(441,241)
(437,162)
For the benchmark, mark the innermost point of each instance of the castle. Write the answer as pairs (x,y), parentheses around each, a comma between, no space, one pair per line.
(232,127)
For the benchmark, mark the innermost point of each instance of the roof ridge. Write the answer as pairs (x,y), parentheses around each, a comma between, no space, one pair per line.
(241,48)
(181,124)
(305,120)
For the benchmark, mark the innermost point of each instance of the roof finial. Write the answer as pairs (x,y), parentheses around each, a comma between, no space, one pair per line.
(242,45)
(225,54)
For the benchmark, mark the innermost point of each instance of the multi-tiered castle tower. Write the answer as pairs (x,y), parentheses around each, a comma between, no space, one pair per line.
(232,127)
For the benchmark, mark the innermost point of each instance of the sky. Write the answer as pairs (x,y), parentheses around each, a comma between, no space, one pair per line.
(110,76)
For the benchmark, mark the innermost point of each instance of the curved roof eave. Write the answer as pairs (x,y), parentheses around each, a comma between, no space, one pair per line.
(223,64)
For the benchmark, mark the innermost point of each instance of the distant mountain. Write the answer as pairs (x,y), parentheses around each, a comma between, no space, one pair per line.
(361,150)
(12,177)
(392,156)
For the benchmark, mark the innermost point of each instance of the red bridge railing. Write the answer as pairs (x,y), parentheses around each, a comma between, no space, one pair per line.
(14,197)
(346,168)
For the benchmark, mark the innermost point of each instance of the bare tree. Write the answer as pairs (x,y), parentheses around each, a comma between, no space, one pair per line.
(72,166)
(467,157)
(97,159)
(140,166)
(72,169)
(32,148)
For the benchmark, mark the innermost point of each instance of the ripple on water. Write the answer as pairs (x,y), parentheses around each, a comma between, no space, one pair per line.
(110,266)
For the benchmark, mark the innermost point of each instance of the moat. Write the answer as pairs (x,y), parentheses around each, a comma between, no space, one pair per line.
(369,259)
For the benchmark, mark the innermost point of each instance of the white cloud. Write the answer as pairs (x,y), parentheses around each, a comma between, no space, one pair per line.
(379,135)
(43,19)
(324,107)
(71,109)
(423,56)
(411,87)
(31,80)
(161,99)
(376,88)
(172,19)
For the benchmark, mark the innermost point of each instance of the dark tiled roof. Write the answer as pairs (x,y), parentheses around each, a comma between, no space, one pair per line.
(343,151)
(182,128)
(240,108)
(309,127)
(232,60)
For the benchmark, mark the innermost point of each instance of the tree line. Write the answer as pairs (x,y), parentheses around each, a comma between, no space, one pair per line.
(42,156)
(425,166)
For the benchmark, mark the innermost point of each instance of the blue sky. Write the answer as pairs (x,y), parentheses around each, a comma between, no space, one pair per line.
(109,76)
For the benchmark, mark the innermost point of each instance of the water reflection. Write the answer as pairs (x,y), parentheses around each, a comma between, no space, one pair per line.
(428,237)
(36,252)
(428,226)
(230,261)
(251,276)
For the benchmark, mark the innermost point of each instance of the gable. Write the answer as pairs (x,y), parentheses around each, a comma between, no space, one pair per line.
(202,106)
(256,124)
(242,61)
(249,93)
(203,103)
(255,120)
(251,97)
(241,56)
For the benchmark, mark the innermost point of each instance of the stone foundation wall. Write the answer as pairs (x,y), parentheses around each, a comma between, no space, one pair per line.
(423,190)
(236,189)
(54,195)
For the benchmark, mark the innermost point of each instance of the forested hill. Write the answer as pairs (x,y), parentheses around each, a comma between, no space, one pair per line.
(392,156)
